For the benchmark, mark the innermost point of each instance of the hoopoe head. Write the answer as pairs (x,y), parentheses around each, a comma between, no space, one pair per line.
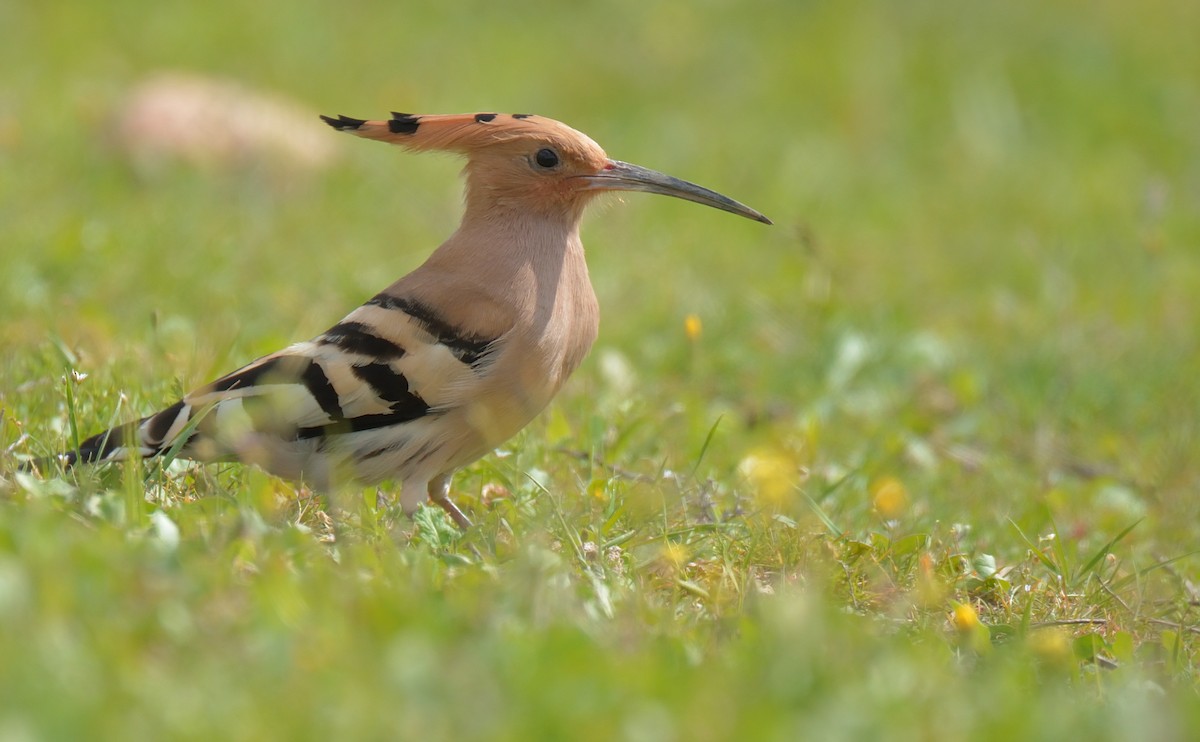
(530,162)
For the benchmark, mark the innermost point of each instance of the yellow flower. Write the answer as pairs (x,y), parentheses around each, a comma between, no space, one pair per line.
(1052,648)
(692,327)
(598,488)
(675,555)
(889,496)
(772,473)
(972,632)
(964,617)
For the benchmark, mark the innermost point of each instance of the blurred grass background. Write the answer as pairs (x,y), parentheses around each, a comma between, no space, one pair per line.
(920,407)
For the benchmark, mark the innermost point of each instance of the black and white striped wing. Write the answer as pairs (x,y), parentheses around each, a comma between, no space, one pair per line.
(368,378)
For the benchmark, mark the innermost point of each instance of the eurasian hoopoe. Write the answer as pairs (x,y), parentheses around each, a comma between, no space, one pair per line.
(449,361)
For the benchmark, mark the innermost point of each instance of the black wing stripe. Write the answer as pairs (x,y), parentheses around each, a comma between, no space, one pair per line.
(391,386)
(159,424)
(387,384)
(362,422)
(285,370)
(355,337)
(251,376)
(103,445)
(317,384)
(469,349)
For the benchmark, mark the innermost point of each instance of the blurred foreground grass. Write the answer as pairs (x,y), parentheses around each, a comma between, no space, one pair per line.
(869,473)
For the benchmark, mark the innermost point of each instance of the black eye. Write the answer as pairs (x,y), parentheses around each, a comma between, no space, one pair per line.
(546,158)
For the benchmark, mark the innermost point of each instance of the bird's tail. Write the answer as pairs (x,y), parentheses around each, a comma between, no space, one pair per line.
(145,438)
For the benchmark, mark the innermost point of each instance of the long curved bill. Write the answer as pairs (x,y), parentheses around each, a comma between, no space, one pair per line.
(622,176)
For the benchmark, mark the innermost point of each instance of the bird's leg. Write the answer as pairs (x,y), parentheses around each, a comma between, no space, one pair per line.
(439,492)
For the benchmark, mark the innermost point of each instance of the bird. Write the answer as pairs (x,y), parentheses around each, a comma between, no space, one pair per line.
(449,361)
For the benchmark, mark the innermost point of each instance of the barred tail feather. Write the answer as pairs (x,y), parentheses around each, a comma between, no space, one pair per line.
(145,438)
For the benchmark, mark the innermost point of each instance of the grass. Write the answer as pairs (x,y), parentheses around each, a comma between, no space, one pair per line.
(917,463)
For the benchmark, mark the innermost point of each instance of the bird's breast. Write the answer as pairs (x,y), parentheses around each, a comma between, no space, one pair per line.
(533,360)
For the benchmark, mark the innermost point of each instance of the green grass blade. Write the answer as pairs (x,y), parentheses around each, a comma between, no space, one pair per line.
(1104,551)
(1046,561)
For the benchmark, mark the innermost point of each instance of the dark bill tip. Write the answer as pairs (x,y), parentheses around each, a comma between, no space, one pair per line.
(622,176)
